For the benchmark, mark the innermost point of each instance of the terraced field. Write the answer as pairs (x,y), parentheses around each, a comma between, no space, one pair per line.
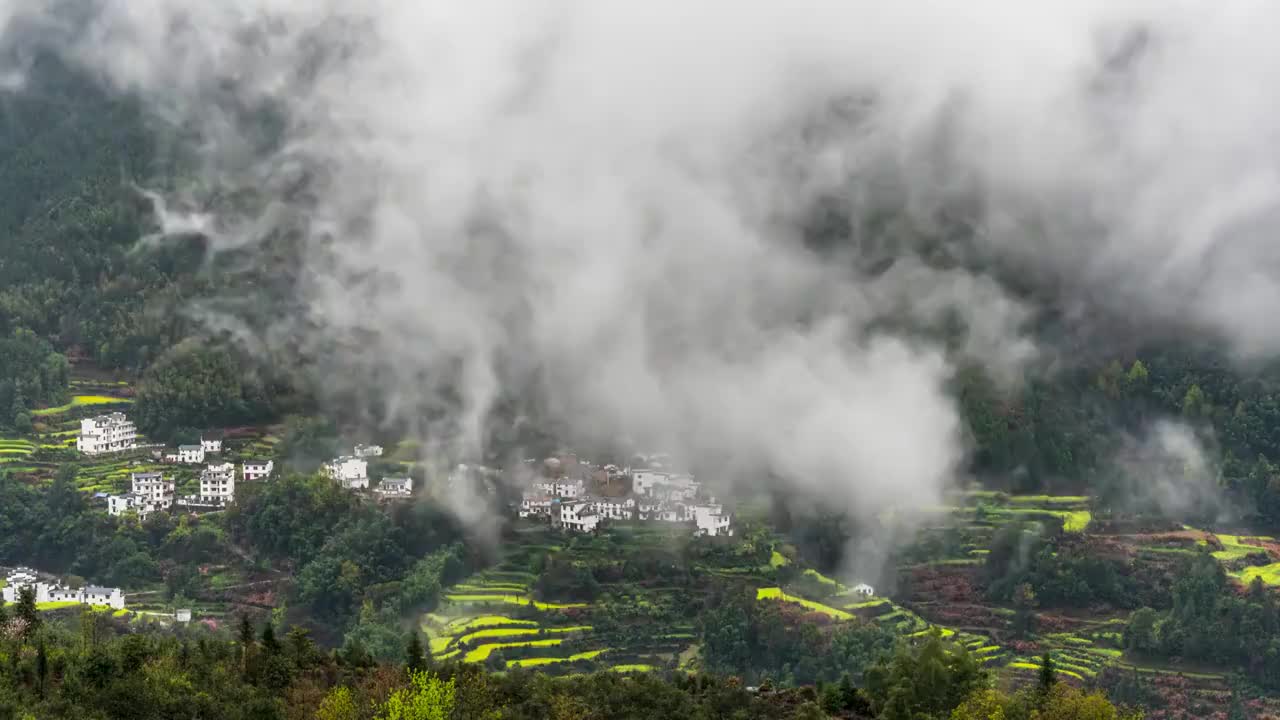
(475,622)
(15,450)
(99,403)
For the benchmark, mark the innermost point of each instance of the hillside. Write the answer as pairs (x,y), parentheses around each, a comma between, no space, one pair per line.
(989,445)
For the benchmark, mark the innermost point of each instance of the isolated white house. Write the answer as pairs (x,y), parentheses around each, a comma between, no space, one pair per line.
(368,451)
(351,473)
(218,484)
(395,487)
(864,590)
(191,454)
(258,469)
(182,615)
(210,444)
(112,432)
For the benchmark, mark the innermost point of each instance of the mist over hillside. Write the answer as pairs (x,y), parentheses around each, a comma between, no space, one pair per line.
(764,237)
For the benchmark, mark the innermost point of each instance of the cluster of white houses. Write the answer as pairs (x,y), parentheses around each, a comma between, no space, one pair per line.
(352,473)
(53,591)
(656,495)
(193,454)
(153,491)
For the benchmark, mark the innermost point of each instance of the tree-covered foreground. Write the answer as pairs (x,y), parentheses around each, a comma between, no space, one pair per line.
(86,666)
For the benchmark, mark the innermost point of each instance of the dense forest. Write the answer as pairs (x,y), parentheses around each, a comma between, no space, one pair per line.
(87,668)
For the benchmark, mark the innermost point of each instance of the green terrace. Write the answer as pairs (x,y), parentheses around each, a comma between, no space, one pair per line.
(99,403)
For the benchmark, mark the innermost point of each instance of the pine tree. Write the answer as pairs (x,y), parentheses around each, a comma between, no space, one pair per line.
(246,642)
(414,657)
(270,646)
(1048,676)
(42,667)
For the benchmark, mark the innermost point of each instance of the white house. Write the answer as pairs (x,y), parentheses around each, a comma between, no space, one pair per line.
(155,488)
(395,487)
(658,510)
(711,520)
(611,508)
(98,595)
(218,484)
(560,488)
(118,505)
(182,615)
(368,451)
(191,454)
(210,444)
(534,504)
(112,432)
(577,516)
(350,472)
(56,592)
(171,456)
(258,469)
(642,481)
(864,590)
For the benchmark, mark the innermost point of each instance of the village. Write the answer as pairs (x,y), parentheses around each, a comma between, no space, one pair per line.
(570,493)
(154,491)
(575,495)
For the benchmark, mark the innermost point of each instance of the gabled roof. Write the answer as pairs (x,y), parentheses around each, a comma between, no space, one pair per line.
(188,447)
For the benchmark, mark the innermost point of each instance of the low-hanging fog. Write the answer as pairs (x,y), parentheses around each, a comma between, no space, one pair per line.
(601,203)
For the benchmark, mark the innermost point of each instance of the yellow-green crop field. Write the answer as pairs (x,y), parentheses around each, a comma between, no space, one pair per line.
(81,401)
(482,653)
(1270,574)
(774,593)
(534,662)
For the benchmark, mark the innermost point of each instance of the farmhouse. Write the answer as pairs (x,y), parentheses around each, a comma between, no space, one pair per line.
(368,451)
(257,469)
(350,472)
(577,516)
(218,484)
(711,520)
(642,481)
(112,432)
(864,590)
(154,487)
(611,508)
(560,488)
(535,504)
(666,485)
(47,592)
(211,443)
(191,454)
(118,505)
(395,487)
